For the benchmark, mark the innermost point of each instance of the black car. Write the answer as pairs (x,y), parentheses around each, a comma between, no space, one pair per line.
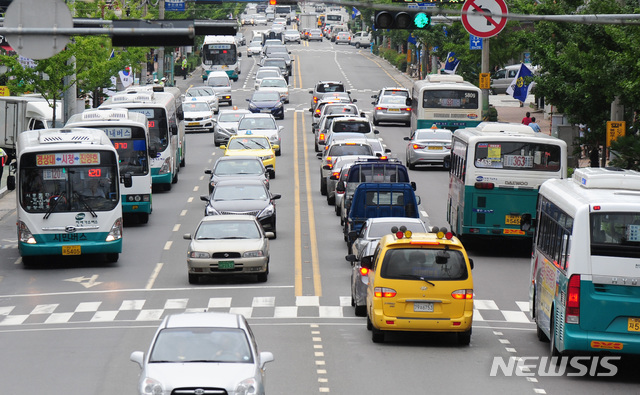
(250,197)
(238,167)
(269,102)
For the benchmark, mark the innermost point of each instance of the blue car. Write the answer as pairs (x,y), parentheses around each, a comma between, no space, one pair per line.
(267,102)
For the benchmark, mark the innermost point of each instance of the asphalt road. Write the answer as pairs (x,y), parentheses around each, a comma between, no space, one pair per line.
(70,326)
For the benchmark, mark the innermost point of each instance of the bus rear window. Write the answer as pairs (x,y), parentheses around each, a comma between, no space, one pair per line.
(454,99)
(615,234)
(517,156)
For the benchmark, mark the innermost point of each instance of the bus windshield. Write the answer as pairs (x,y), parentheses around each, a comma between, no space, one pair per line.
(450,98)
(158,130)
(615,234)
(68,182)
(219,54)
(131,144)
(517,156)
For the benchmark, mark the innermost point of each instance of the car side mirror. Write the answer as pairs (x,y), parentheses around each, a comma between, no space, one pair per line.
(354,100)
(125,179)
(319,155)
(351,258)
(223,147)
(311,92)
(270,235)
(387,150)
(408,101)
(374,103)
(276,196)
(137,357)
(204,198)
(186,236)
(407,138)
(239,54)
(365,262)
(340,187)
(471,263)
(376,131)
(248,99)
(374,96)
(208,171)
(310,109)
(413,185)
(174,129)
(326,167)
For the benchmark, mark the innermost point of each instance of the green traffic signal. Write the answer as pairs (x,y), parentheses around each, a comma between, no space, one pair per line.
(402,20)
(421,20)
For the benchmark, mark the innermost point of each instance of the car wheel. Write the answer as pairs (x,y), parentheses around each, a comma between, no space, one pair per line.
(278,153)
(316,148)
(230,103)
(358,45)
(360,311)
(194,278)
(375,122)
(273,175)
(369,324)
(323,186)
(337,210)
(377,335)
(464,338)
(262,277)
(331,200)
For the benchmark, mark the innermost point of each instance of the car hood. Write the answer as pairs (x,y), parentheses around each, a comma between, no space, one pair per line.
(228,125)
(257,132)
(196,374)
(253,152)
(238,205)
(197,114)
(239,245)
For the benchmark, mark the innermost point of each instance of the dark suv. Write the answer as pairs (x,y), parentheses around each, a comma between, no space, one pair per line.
(323,87)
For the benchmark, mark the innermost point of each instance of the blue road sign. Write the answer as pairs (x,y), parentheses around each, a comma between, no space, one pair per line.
(474,42)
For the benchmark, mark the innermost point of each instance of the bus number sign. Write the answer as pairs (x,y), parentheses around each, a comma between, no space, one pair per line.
(220,46)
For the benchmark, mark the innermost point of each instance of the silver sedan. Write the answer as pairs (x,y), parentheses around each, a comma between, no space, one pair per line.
(390,108)
(429,147)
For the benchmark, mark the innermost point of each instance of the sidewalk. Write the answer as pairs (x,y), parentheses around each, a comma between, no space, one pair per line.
(7,198)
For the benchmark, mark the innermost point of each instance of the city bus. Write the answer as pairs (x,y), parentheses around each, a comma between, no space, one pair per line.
(496,170)
(129,133)
(220,53)
(68,199)
(584,291)
(447,101)
(166,129)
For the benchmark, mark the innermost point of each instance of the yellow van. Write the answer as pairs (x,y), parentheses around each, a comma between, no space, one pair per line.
(419,282)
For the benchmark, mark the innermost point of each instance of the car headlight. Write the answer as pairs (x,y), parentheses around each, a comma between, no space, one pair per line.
(247,387)
(199,255)
(253,254)
(267,212)
(210,211)
(279,104)
(266,157)
(153,387)
(252,106)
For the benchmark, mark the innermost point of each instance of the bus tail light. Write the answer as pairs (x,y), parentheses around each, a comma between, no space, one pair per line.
(24,234)
(116,231)
(484,185)
(572,315)
(462,294)
(381,292)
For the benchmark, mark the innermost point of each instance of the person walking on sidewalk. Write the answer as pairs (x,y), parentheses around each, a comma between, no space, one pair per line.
(527,118)
(4,158)
(533,125)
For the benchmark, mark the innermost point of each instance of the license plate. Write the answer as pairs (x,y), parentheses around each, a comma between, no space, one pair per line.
(71,250)
(193,124)
(434,147)
(512,219)
(394,110)
(423,307)
(225,265)
(633,325)
(267,111)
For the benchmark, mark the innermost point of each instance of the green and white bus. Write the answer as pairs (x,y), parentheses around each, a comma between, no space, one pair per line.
(584,291)
(447,101)
(129,133)
(496,170)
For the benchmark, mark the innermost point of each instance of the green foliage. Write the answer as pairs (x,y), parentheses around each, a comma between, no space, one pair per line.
(627,149)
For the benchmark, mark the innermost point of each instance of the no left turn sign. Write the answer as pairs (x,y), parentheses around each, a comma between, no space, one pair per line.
(484,25)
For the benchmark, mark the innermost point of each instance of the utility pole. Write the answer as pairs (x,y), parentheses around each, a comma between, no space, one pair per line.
(161,49)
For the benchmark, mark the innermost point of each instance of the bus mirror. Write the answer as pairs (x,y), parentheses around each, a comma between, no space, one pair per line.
(126,180)
(526,222)
(174,129)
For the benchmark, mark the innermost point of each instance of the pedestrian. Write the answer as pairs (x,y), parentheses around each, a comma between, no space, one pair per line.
(162,81)
(527,118)
(184,67)
(533,125)
(3,159)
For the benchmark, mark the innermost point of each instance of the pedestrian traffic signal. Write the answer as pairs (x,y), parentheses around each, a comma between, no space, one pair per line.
(405,20)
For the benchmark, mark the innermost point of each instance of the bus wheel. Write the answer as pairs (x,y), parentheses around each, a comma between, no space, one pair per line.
(28,261)
(174,180)
(112,257)
(143,218)
(167,187)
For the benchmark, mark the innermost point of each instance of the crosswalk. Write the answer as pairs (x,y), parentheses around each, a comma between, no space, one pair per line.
(141,310)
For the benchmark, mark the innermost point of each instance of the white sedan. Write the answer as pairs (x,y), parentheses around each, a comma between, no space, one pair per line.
(278,84)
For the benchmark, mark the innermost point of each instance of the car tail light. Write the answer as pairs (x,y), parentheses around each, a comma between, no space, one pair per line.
(335,174)
(407,109)
(380,108)
(484,185)
(329,162)
(315,99)
(364,271)
(462,294)
(418,146)
(381,292)
(321,137)
(572,315)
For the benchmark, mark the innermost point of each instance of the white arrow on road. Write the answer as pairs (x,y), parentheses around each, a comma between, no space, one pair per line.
(86,282)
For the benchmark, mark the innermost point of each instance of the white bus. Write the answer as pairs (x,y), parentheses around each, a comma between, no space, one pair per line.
(447,101)
(68,198)
(585,269)
(166,129)
(496,170)
(220,53)
(129,134)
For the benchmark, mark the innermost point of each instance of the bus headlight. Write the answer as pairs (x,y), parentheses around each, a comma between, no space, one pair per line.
(166,167)
(24,234)
(116,231)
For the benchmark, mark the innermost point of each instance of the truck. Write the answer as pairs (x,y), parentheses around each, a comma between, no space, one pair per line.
(21,113)
(285,11)
(307,21)
(373,200)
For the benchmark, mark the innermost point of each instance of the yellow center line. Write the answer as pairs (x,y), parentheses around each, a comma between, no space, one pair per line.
(313,241)
(298,233)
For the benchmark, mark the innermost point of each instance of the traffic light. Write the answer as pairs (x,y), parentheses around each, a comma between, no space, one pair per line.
(405,20)
(272,2)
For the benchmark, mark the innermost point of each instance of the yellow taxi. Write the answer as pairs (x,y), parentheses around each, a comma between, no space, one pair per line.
(419,282)
(253,145)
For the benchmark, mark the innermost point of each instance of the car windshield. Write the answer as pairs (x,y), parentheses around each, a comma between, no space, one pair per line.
(239,192)
(230,116)
(184,345)
(249,123)
(273,83)
(219,230)
(196,107)
(379,229)
(278,62)
(424,264)
(265,96)
(333,109)
(353,126)
(229,167)
(432,135)
(349,149)
(249,143)
(197,92)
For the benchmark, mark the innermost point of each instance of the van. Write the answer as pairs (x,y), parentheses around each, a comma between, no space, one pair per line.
(335,29)
(221,84)
(361,39)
